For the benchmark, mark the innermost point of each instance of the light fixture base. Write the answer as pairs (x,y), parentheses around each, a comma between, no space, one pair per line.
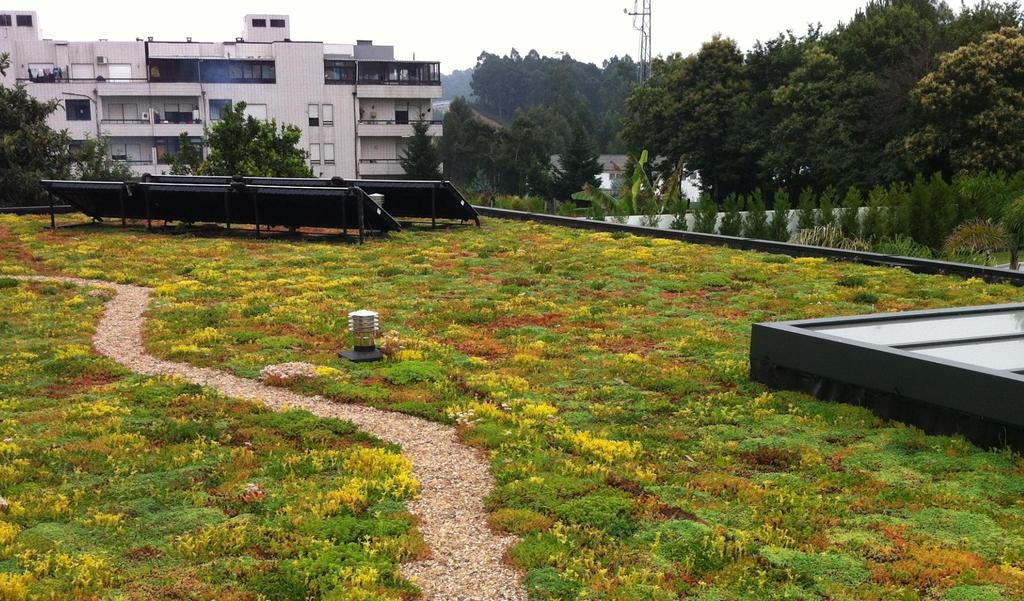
(363,356)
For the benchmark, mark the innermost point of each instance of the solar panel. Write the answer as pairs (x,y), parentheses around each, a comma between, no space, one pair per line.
(409,199)
(947,371)
(222,200)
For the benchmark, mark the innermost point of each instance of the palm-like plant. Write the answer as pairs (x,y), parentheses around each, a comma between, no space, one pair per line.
(986,236)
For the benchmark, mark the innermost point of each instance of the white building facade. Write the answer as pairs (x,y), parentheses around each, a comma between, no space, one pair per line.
(354,103)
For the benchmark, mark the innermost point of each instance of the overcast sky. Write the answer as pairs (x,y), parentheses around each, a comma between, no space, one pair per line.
(452,31)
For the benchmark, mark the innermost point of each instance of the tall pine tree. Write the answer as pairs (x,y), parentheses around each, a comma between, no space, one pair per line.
(421,159)
(578,166)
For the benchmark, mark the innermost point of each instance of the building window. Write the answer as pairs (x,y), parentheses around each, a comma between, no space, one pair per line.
(24,20)
(78,110)
(177,112)
(314,154)
(130,153)
(236,71)
(121,71)
(256,111)
(277,22)
(259,22)
(328,114)
(173,70)
(340,72)
(119,112)
(217,107)
(166,148)
(5,20)
(402,114)
(314,115)
(328,154)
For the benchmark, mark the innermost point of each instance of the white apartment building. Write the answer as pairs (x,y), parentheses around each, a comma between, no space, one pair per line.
(354,102)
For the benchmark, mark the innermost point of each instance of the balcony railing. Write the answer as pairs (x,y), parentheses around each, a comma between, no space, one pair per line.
(123,121)
(52,78)
(384,161)
(381,81)
(399,122)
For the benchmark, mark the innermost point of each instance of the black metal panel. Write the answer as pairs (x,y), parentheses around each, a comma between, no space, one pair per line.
(224,200)
(408,199)
(320,207)
(95,199)
(937,395)
(420,199)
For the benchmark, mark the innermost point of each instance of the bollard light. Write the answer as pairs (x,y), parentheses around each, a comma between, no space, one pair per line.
(364,326)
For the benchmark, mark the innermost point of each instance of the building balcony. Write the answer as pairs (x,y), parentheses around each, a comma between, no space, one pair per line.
(379,167)
(376,128)
(380,90)
(133,128)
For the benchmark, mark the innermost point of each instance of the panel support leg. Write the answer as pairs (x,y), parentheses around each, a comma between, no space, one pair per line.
(53,215)
(362,222)
(149,216)
(124,212)
(433,208)
(344,215)
(227,208)
(256,210)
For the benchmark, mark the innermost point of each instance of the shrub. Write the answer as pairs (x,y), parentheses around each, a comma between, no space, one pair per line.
(611,511)
(705,218)
(806,219)
(811,569)
(411,372)
(546,583)
(755,225)
(902,246)
(732,220)
(852,281)
(873,225)
(849,220)
(778,228)
(520,521)
(827,236)
(826,208)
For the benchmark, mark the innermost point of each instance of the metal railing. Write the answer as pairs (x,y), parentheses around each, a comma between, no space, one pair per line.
(395,122)
(913,264)
(126,121)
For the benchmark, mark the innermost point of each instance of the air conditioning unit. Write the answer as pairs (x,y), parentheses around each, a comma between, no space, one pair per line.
(144,116)
(101,60)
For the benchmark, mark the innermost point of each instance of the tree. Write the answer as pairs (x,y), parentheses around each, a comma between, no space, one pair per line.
(466,145)
(577,166)
(243,145)
(189,158)
(697,109)
(970,109)
(524,149)
(29,149)
(421,158)
(92,162)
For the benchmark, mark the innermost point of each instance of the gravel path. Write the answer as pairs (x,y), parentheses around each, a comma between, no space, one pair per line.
(466,561)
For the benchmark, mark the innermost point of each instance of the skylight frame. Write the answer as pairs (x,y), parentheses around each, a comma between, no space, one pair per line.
(940,395)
